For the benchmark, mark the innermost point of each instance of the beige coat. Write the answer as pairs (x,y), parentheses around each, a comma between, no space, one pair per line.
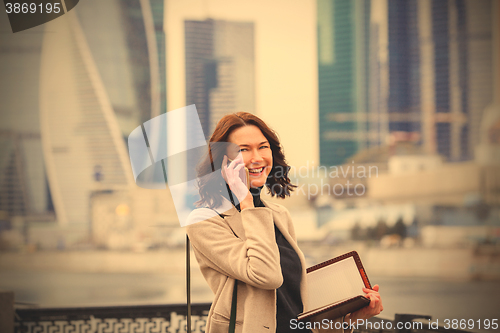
(242,246)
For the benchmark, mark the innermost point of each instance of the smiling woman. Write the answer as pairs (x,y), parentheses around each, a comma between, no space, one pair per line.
(248,252)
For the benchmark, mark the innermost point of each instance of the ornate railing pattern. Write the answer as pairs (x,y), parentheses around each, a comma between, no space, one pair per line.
(169,318)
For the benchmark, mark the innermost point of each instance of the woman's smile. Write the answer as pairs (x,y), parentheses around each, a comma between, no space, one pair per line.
(256,172)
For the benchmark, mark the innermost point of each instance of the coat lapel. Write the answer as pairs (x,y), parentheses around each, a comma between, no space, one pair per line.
(232,218)
(236,225)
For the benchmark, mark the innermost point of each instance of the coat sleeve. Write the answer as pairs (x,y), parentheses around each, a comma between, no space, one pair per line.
(255,261)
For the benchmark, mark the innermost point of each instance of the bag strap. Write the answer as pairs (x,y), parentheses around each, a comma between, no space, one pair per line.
(188,284)
(232,320)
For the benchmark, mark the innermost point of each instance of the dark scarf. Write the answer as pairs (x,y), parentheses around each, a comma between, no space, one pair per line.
(255,191)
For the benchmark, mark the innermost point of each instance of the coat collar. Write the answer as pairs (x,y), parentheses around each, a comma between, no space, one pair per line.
(233,218)
(227,208)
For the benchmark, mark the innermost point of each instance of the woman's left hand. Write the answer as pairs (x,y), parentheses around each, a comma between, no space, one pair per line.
(372,309)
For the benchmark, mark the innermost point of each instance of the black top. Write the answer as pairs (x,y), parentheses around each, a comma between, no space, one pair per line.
(288,298)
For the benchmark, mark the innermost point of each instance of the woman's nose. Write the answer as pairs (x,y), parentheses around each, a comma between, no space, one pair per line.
(256,157)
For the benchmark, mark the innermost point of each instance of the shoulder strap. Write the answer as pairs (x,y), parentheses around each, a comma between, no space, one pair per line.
(188,284)
(232,320)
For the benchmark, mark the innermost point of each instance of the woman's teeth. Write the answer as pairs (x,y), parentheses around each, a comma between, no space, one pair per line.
(259,170)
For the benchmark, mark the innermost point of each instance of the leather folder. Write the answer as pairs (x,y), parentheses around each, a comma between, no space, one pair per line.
(335,288)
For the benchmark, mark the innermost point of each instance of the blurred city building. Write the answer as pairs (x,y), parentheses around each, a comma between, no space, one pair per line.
(84,82)
(417,67)
(23,183)
(220,69)
(84,148)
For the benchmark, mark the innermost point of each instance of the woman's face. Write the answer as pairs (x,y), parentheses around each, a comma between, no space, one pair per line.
(256,152)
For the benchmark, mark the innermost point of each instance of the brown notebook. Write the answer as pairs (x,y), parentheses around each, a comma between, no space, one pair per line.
(335,288)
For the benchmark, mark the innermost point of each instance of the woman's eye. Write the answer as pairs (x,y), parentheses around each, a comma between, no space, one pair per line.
(242,149)
(264,147)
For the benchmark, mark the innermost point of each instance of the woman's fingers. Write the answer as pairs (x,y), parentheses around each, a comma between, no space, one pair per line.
(238,159)
(373,293)
(372,301)
(234,177)
(375,305)
(374,298)
(372,309)
(233,164)
(239,167)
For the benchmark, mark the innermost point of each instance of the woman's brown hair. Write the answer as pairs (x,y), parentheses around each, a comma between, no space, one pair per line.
(212,186)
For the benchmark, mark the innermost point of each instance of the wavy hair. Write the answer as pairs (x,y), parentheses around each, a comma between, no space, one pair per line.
(212,186)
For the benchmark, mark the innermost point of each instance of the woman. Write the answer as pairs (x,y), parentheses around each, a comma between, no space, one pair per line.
(248,239)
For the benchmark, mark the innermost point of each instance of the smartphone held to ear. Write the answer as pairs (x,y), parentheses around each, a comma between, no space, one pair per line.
(244,174)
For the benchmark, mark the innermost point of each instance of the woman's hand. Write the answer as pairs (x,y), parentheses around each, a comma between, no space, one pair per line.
(372,309)
(232,174)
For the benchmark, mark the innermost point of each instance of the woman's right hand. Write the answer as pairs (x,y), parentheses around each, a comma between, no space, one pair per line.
(232,174)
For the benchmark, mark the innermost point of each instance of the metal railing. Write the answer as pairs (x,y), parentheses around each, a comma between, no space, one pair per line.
(170,318)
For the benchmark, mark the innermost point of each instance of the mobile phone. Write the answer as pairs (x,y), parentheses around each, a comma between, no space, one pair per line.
(243,173)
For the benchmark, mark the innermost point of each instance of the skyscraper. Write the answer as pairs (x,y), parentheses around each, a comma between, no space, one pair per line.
(342,65)
(220,73)
(455,74)
(403,103)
